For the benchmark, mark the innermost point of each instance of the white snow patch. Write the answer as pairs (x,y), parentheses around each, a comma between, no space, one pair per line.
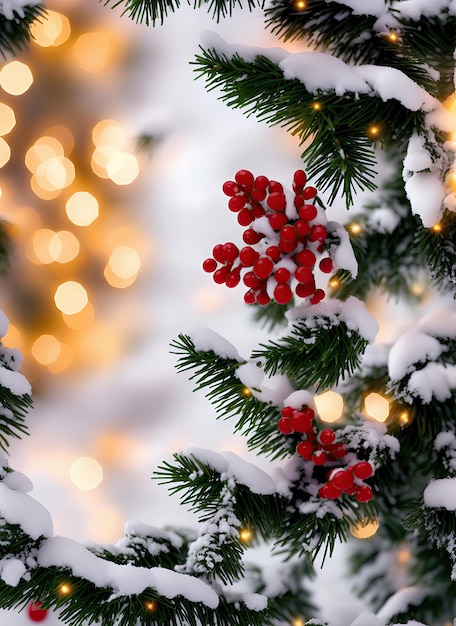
(367,619)
(414,9)
(19,508)
(426,194)
(430,382)
(4,321)
(361,7)
(401,600)
(354,313)
(18,481)
(441,493)
(211,40)
(383,220)
(343,255)
(8,7)
(439,323)
(11,571)
(207,340)
(413,347)
(299,398)
(250,375)
(417,158)
(15,382)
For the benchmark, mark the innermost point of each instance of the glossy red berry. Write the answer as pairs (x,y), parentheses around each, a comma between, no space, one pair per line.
(306,257)
(287,233)
(298,201)
(302,228)
(304,290)
(262,298)
(303,274)
(318,233)
(258,194)
(249,297)
(305,449)
(301,422)
(257,210)
(275,187)
(230,251)
(308,212)
(318,296)
(363,470)
(327,437)
(230,188)
(274,253)
(221,274)
(287,246)
(276,201)
(326,265)
(287,411)
(248,256)
(218,254)
(364,493)
(244,178)
(284,426)
(283,293)
(245,217)
(277,220)
(236,203)
(338,450)
(209,265)
(329,491)
(263,267)
(250,280)
(299,178)
(251,236)
(309,192)
(319,457)
(36,612)
(261,182)
(233,279)
(282,275)
(342,479)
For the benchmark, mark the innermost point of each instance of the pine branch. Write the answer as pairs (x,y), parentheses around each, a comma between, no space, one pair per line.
(152,11)
(14,406)
(438,247)
(15,33)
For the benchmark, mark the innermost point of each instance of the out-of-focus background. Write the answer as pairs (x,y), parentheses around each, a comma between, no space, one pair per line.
(112,160)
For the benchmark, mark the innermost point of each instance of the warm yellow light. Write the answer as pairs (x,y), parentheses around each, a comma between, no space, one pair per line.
(298,622)
(437,228)
(104,525)
(403,556)
(393,36)
(330,406)
(15,78)
(5,152)
(55,173)
(46,349)
(124,262)
(7,119)
(377,406)
(246,392)
(86,473)
(53,29)
(317,106)
(417,288)
(299,5)
(42,193)
(109,133)
(13,338)
(246,535)
(122,168)
(63,135)
(404,418)
(116,281)
(80,320)
(151,606)
(373,131)
(100,159)
(70,297)
(44,149)
(63,361)
(365,529)
(355,228)
(64,589)
(82,208)
(41,245)
(334,283)
(64,247)
(92,51)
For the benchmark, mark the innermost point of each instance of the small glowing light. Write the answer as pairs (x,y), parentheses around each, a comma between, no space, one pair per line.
(365,529)
(13,338)
(122,168)
(299,5)
(7,119)
(334,283)
(86,473)
(151,606)
(245,535)
(43,149)
(403,556)
(437,228)
(15,78)
(82,208)
(404,418)
(330,406)
(41,244)
(377,406)
(373,131)
(64,247)
(246,392)
(116,281)
(317,106)
(92,51)
(100,159)
(355,228)
(298,622)
(42,193)
(63,135)
(80,320)
(109,133)
(417,288)
(46,349)
(51,30)
(55,173)
(5,152)
(70,297)
(64,589)
(393,36)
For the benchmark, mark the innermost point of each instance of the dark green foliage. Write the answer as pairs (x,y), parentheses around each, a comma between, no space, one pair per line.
(13,408)
(439,250)
(15,33)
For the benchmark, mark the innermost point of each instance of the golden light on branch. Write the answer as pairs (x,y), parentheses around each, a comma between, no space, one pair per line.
(151,606)
(64,589)
(53,29)
(365,529)
(330,406)
(437,228)
(299,5)
(246,535)
(374,131)
(355,228)
(16,78)
(404,418)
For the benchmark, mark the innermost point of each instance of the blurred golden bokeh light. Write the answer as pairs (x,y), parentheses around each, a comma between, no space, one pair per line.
(377,406)
(109,133)
(86,473)
(70,297)
(330,406)
(92,51)
(44,149)
(122,168)
(82,208)
(122,268)
(5,152)
(81,320)
(7,119)
(365,529)
(53,29)
(41,244)
(16,78)
(46,349)
(55,174)
(64,247)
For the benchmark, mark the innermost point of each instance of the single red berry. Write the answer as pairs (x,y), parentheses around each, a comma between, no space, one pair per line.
(220,275)
(305,449)
(304,290)
(233,278)
(350,491)
(326,265)
(308,411)
(275,187)
(309,192)
(318,233)
(245,217)
(283,293)
(276,201)
(364,493)
(338,450)
(250,280)
(319,457)
(244,178)
(249,297)
(248,256)
(277,220)
(236,203)
(363,470)
(262,298)
(300,178)
(287,246)
(258,194)
(303,274)
(261,182)
(327,437)
(251,236)
(274,253)
(209,265)
(230,188)
(257,210)
(263,267)
(282,275)
(287,411)
(287,233)
(306,257)
(298,201)
(218,253)
(284,426)
(308,212)
(230,251)
(329,491)
(302,228)
(318,296)
(342,479)
(301,422)
(36,612)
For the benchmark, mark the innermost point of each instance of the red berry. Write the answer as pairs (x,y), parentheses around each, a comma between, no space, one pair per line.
(287,233)
(262,298)
(218,254)
(363,470)
(233,278)
(277,220)
(244,178)
(249,297)
(308,411)
(287,246)
(326,265)
(318,233)
(220,275)
(318,296)
(329,491)
(298,201)
(275,187)
(306,257)
(300,178)
(308,212)
(282,275)
(342,479)
(302,228)
(209,265)
(283,293)
(305,449)
(309,192)
(327,437)
(248,256)
(261,182)
(230,251)
(274,253)
(35,612)
(284,426)
(319,457)
(303,274)
(250,280)
(364,493)
(236,203)
(251,237)
(258,194)
(304,290)
(338,450)
(301,422)
(287,411)
(263,267)
(245,217)
(276,201)
(230,188)
(257,210)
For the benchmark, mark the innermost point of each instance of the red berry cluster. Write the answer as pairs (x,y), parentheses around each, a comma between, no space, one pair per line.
(321,448)
(281,253)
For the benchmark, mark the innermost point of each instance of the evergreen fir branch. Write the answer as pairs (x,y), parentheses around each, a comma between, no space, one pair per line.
(319,356)
(13,407)
(271,315)
(438,247)
(339,153)
(15,33)
(152,11)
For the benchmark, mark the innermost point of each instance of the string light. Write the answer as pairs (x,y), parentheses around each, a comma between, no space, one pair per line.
(82,208)
(393,36)
(365,528)
(298,622)
(316,106)
(403,555)
(373,131)
(246,392)
(16,78)
(437,228)
(151,606)
(355,228)
(330,406)
(404,418)
(64,589)
(246,535)
(299,5)
(334,283)
(377,406)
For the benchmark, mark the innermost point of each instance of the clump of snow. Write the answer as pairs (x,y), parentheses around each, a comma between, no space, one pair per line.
(413,347)
(300,398)
(209,39)
(401,601)
(441,493)
(415,9)
(9,7)
(354,313)
(418,157)
(207,340)
(430,381)
(11,571)
(18,481)
(343,255)
(367,619)
(383,220)
(253,601)
(439,323)
(15,382)
(361,7)
(426,194)
(250,375)
(4,321)
(18,508)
